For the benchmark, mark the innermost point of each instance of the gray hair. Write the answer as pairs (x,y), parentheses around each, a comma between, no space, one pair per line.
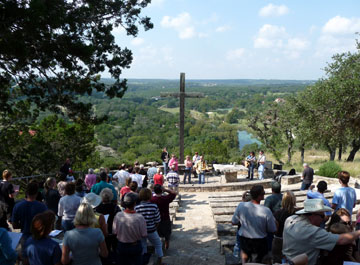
(305,165)
(106,195)
(91,171)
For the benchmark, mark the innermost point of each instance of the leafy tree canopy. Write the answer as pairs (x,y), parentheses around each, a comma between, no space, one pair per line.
(51,52)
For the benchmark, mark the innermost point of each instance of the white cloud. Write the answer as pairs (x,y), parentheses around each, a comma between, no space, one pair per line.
(270,36)
(235,54)
(182,24)
(222,28)
(297,44)
(273,10)
(342,25)
(137,41)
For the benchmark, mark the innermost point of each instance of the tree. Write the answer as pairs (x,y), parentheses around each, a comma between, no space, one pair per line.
(52,52)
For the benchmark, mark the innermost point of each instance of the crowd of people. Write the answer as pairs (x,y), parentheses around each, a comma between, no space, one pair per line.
(280,231)
(105,218)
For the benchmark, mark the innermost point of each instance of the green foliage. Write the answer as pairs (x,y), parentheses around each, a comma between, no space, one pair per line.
(234,115)
(45,148)
(250,148)
(329,169)
(60,55)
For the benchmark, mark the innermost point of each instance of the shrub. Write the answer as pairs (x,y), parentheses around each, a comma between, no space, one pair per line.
(329,169)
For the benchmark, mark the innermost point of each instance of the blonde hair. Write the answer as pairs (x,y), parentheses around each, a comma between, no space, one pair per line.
(289,202)
(85,215)
(106,195)
(49,181)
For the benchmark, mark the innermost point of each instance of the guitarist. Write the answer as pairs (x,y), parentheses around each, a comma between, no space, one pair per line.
(250,162)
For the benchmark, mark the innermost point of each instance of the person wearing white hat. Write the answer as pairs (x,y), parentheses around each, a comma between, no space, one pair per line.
(302,232)
(94,201)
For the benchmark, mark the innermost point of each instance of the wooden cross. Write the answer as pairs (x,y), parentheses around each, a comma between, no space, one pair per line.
(182,95)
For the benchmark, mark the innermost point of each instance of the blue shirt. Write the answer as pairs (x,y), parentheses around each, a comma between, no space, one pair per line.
(317,195)
(98,187)
(8,255)
(345,197)
(42,252)
(24,212)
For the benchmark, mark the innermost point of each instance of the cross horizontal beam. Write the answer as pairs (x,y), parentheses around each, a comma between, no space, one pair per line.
(177,95)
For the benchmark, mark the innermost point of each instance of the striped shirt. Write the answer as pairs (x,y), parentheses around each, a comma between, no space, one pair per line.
(173,179)
(151,213)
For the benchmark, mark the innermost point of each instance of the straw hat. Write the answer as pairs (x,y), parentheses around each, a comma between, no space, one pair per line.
(92,199)
(314,206)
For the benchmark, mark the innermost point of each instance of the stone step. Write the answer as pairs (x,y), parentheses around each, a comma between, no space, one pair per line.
(234,203)
(230,259)
(246,185)
(226,230)
(227,242)
(296,191)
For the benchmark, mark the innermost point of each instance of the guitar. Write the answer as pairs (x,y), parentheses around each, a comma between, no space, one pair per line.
(247,163)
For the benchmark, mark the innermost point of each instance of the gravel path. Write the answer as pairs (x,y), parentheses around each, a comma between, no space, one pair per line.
(194,240)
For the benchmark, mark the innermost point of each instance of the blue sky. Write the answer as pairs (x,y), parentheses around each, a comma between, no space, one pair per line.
(241,39)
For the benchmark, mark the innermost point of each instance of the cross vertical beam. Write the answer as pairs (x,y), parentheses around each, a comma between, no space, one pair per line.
(182,116)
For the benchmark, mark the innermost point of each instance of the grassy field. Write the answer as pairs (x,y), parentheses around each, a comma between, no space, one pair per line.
(315,158)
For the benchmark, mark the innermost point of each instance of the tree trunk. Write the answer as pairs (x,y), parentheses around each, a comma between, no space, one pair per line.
(289,153)
(332,152)
(340,152)
(302,152)
(355,147)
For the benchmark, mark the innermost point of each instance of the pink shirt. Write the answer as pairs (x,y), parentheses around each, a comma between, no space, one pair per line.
(90,180)
(175,162)
(188,163)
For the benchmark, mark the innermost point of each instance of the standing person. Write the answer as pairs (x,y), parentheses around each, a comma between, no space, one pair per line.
(98,187)
(158,177)
(344,197)
(173,179)
(84,242)
(151,213)
(151,172)
(7,193)
(62,183)
(40,249)
(165,159)
(66,167)
(163,202)
(273,202)
(51,195)
(201,167)
(130,229)
(307,177)
(319,194)
(188,168)
(251,159)
(25,211)
(288,205)
(195,159)
(121,176)
(90,179)
(8,255)
(68,206)
(261,162)
(174,161)
(302,233)
(256,221)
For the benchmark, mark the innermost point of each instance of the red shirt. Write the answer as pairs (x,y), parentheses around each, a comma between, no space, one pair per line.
(158,179)
(124,190)
(163,203)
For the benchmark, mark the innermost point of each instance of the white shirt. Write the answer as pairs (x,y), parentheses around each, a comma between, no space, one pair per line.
(121,176)
(138,178)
